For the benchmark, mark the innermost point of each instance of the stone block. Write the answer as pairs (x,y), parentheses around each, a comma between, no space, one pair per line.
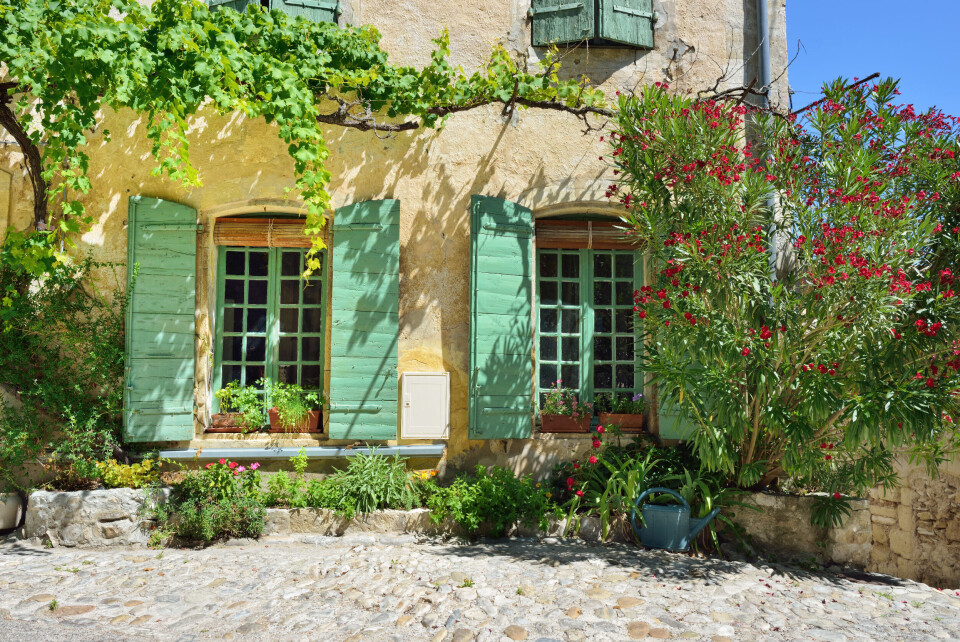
(906,518)
(902,543)
(952,531)
(883,511)
(886,521)
(880,536)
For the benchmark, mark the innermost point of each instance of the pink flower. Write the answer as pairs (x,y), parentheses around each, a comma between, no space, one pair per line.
(592,459)
(255,465)
(571,481)
(601,429)
(579,493)
(596,444)
(209,465)
(241,469)
(223,461)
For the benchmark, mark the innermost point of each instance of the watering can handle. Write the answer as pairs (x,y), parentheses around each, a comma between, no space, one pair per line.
(643,495)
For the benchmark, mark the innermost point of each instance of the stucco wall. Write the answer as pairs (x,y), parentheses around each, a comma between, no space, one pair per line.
(541,159)
(916,528)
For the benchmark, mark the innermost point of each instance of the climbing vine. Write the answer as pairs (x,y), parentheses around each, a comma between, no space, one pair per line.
(64,61)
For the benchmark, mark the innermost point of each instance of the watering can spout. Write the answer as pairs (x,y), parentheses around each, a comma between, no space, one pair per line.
(697,525)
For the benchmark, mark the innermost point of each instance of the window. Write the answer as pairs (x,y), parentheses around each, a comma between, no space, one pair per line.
(316,10)
(600,22)
(270,321)
(585,331)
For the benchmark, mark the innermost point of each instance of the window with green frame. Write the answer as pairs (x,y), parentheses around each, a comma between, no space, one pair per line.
(270,321)
(586,335)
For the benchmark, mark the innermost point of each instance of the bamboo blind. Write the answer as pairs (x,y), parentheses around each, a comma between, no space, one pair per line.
(260,232)
(596,235)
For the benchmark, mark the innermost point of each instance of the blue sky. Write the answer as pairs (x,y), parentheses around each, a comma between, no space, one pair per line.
(915,41)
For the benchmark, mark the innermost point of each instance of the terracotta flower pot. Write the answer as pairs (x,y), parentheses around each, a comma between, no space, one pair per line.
(564,423)
(311,424)
(227,422)
(11,510)
(627,423)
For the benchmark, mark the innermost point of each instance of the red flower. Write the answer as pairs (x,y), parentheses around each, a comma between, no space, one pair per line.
(828,457)
(571,481)
(596,444)
(642,314)
(836,495)
(745,351)
(823,445)
(931,383)
(592,459)
(579,493)
(576,466)
(601,429)
(232,464)
(223,461)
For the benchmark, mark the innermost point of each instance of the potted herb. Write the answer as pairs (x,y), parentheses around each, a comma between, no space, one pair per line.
(293,409)
(241,409)
(562,412)
(627,412)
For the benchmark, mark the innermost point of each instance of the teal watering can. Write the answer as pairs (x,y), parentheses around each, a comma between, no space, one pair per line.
(669,526)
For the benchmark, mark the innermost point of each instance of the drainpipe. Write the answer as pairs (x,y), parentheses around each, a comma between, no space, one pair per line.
(763,34)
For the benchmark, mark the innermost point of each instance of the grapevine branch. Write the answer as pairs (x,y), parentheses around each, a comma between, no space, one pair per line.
(31,153)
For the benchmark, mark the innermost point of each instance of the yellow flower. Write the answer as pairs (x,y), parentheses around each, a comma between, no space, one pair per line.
(538,484)
(549,494)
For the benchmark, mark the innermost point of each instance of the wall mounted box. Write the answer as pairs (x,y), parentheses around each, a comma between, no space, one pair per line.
(425,405)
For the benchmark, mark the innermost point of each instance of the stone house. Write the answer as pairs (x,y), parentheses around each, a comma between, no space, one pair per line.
(484,252)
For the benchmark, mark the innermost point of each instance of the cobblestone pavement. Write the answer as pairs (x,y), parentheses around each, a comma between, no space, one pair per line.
(399,588)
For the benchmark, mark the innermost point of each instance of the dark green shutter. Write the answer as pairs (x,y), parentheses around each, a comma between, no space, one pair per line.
(627,21)
(365,325)
(501,337)
(316,10)
(559,21)
(673,423)
(158,386)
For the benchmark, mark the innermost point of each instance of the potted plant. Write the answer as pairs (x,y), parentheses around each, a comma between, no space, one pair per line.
(627,412)
(293,409)
(562,412)
(241,409)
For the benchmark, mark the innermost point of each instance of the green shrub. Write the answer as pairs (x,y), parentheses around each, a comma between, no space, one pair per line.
(117,475)
(235,517)
(496,498)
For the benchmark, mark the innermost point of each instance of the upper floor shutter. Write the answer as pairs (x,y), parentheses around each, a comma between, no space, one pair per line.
(158,379)
(559,21)
(501,333)
(365,326)
(316,10)
(627,21)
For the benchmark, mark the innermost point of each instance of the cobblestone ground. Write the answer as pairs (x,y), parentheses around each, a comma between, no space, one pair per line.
(399,588)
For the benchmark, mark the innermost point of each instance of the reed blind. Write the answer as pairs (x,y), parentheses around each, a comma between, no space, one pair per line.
(260,232)
(596,235)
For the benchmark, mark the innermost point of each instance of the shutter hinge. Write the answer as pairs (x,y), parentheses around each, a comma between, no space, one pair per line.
(652,15)
(533,11)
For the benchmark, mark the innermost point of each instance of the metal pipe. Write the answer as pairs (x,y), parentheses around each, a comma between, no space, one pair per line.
(313,452)
(763,51)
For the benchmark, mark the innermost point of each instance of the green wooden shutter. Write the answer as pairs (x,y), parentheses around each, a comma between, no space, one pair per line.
(627,21)
(237,5)
(158,387)
(316,10)
(366,323)
(501,337)
(673,423)
(559,21)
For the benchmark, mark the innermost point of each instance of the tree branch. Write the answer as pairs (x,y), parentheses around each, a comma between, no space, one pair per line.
(31,154)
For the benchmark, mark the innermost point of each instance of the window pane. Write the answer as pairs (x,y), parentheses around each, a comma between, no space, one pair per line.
(625,266)
(602,265)
(290,264)
(229,373)
(548,320)
(310,349)
(625,320)
(310,377)
(602,321)
(570,321)
(235,263)
(233,291)
(233,348)
(548,375)
(570,293)
(570,265)
(232,320)
(258,263)
(289,292)
(288,348)
(548,348)
(602,349)
(312,292)
(570,375)
(624,293)
(624,375)
(601,293)
(256,349)
(253,373)
(548,293)
(256,319)
(257,292)
(624,348)
(570,349)
(548,265)
(312,319)
(603,377)
(288,374)
(289,320)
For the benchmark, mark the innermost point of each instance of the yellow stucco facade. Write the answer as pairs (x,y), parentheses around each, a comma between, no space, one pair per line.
(540,159)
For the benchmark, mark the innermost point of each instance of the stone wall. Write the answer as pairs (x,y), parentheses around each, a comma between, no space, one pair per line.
(782,528)
(916,527)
